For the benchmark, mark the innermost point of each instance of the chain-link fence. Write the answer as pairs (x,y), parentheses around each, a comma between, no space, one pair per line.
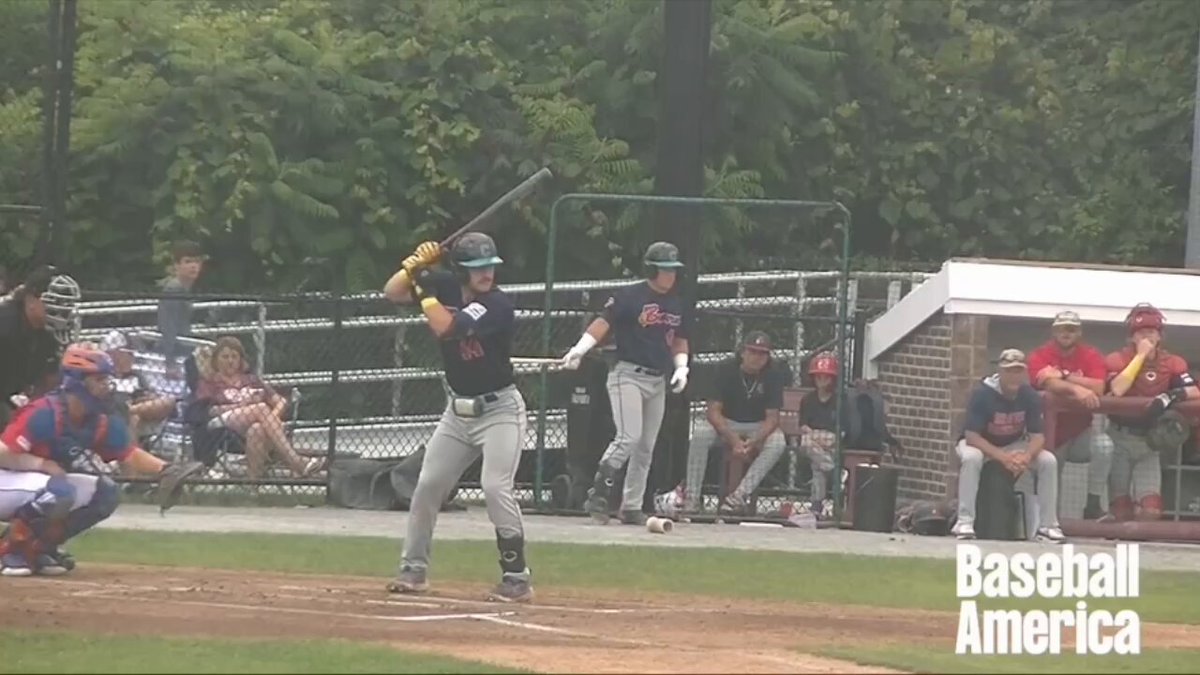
(362,379)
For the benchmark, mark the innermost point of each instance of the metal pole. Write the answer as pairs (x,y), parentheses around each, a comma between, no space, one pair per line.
(1192,255)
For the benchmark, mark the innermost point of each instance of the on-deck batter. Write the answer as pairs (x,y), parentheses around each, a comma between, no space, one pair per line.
(649,329)
(473,320)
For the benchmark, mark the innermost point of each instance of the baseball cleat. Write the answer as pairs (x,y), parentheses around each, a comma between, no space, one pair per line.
(633,518)
(13,564)
(1051,534)
(512,589)
(597,507)
(55,563)
(409,581)
(964,530)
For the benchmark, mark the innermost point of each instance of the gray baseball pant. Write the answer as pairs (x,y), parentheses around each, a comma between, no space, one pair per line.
(819,445)
(498,435)
(1136,469)
(705,438)
(638,401)
(1044,468)
(1094,447)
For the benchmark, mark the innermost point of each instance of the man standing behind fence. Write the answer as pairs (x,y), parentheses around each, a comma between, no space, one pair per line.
(175,308)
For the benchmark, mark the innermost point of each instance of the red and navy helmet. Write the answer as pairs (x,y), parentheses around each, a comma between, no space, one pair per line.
(1144,315)
(80,361)
(824,363)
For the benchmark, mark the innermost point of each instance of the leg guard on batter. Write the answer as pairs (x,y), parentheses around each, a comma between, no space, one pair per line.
(102,505)
(512,555)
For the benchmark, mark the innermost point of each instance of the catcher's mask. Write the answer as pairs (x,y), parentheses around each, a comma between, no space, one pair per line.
(1168,433)
(61,297)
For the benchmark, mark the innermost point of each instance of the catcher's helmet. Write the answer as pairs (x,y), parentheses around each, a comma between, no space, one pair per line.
(661,255)
(473,250)
(823,364)
(80,361)
(1144,315)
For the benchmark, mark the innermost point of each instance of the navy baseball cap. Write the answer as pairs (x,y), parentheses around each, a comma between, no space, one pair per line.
(758,341)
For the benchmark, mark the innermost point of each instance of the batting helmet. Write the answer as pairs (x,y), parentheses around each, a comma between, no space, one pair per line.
(473,250)
(823,364)
(927,518)
(661,255)
(1144,315)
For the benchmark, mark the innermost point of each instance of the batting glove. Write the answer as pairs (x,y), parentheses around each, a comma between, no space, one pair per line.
(574,357)
(679,380)
(428,252)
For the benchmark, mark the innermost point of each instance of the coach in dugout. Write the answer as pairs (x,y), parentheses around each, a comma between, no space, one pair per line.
(743,418)
(1069,367)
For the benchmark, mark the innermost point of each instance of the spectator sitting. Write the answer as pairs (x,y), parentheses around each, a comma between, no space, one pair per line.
(132,396)
(818,429)
(175,313)
(1069,367)
(1004,424)
(244,404)
(743,415)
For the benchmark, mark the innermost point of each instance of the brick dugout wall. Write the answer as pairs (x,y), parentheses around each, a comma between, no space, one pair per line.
(927,379)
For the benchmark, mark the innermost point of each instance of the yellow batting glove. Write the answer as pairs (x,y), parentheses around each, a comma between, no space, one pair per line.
(429,252)
(411,264)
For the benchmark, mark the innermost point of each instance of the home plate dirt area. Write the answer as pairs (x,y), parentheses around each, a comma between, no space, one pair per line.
(565,630)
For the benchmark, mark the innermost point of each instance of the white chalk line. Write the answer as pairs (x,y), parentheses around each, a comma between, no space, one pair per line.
(343,615)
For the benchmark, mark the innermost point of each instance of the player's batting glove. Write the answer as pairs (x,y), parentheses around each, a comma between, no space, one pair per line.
(421,280)
(679,379)
(429,252)
(1159,404)
(411,264)
(573,358)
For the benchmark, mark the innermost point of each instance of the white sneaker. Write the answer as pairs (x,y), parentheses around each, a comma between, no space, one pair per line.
(963,530)
(1051,534)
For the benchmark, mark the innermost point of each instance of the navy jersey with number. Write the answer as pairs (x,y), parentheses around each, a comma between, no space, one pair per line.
(477,350)
(644,324)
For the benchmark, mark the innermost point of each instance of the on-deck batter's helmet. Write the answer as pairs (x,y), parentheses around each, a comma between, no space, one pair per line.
(473,250)
(1144,315)
(661,255)
(823,364)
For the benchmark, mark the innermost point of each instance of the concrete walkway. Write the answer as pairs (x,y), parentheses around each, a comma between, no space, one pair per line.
(473,525)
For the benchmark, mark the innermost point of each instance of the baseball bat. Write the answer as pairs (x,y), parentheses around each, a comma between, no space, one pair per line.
(512,195)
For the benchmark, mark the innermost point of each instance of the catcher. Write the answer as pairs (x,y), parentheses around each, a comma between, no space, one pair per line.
(1145,368)
(50,488)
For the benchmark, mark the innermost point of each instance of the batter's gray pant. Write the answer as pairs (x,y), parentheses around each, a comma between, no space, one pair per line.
(638,401)
(705,438)
(1095,447)
(457,442)
(1044,468)
(1136,469)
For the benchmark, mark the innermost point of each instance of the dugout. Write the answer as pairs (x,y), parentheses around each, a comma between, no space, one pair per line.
(930,349)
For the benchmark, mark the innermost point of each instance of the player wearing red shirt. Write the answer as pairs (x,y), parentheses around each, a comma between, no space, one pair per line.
(50,489)
(1144,368)
(1068,366)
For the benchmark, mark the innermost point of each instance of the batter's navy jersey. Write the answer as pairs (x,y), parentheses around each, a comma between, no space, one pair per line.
(477,351)
(645,323)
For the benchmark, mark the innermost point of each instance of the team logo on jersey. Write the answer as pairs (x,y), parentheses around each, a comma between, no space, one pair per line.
(653,315)
(24,443)
(1151,376)
(470,349)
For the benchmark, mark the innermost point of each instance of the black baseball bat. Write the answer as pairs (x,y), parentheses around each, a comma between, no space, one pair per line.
(512,195)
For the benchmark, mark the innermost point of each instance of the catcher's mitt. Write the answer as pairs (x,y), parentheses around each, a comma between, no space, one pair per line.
(1168,433)
(171,479)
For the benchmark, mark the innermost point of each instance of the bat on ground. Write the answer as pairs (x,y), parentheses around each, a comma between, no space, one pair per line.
(512,195)
(536,360)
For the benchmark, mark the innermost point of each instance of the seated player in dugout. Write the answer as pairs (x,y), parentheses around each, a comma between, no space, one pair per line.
(818,430)
(1143,368)
(1004,424)
(50,488)
(743,418)
(1069,367)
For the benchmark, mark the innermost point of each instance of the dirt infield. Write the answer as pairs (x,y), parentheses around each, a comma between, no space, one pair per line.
(564,631)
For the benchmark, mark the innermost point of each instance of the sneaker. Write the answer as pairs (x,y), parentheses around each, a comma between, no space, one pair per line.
(13,564)
(409,580)
(733,506)
(1051,534)
(964,530)
(597,507)
(55,563)
(633,518)
(512,589)
(671,504)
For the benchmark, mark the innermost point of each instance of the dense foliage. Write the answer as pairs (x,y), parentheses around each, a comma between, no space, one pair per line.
(341,133)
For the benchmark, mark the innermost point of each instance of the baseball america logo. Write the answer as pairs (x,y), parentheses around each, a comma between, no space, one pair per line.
(1065,574)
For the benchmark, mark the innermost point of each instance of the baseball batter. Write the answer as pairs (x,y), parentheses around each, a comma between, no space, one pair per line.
(1143,368)
(49,487)
(649,329)
(485,414)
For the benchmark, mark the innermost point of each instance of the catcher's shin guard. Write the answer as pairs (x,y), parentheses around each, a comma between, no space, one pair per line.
(102,505)
(1150,507)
